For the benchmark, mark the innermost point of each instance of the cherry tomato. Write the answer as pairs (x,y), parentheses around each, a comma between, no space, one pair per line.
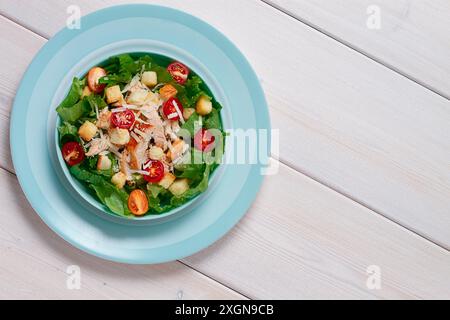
(123,119)
(137,202)
(178,71)
(93,76)
(170,110)
(73,153)
(204,140)
(155,169)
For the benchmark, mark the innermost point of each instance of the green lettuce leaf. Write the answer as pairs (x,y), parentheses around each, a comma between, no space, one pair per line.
(154,189)
(115,199)
(71,109)
(121,69)
(193,191)
(191,125)
(73,113)
(67,132)
(74,94)
(212,120)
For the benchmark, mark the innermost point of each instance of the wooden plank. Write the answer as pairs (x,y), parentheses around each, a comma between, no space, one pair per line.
(345,120)
(19,48)
(303,240)
(300,240)
(412,36)
(35,261)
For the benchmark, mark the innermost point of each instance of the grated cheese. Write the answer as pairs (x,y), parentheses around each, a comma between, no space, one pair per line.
(145,173)
(172,115)
(135,136)
(119,109)
(140,132)
(147,165)
(178,111)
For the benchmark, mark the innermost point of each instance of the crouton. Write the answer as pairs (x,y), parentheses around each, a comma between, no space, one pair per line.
(119,136)
(167,180)
(204,106)
(179,187)
(167,92)
(113,94)
(149,78)
(87,131)
(137,97)
(119,180)
(156,153)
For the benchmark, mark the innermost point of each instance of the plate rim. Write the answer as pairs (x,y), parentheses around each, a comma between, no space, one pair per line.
(214,231)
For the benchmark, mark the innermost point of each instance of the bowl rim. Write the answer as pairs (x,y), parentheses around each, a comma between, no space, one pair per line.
(81,189)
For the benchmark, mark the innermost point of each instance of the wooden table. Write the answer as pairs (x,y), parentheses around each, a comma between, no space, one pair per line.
(360,92)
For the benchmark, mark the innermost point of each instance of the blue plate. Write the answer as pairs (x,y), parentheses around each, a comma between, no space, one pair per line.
(134,28)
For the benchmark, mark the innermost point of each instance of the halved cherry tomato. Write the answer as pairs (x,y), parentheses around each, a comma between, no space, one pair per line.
(155,169)
(123,119)
(73,153)
(204,140)
(93,76)
(178,71)
(170,110)
(137,202)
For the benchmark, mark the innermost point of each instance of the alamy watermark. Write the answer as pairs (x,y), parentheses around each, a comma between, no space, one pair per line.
(73,281)
(374,277)
(374,17)
(73,21)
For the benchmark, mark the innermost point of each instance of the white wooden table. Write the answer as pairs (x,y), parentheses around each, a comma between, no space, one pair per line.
(364,116)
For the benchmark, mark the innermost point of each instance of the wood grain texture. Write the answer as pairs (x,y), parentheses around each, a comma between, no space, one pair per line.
(413,35)
(35,261)
(300,239)
(344,120)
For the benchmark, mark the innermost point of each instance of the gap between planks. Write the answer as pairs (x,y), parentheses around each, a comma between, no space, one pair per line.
(180,261)
(285,163)
(354,48)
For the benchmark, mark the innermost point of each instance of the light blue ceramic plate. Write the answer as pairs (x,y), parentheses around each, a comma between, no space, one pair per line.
(134,28)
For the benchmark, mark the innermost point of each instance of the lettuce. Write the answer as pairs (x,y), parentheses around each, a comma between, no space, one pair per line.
(212,120)
(191,125)
(73,113)
(193,191)
(121,69)
(92,102)
(67,132)
(190,171)
(71,109)
(115,199)
(74,94)
(163,75)
(154,189)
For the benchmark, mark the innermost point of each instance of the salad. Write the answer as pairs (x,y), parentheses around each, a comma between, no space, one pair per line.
(142,132)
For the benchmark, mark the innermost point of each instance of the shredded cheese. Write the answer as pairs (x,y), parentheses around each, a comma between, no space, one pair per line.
(147,165)
(140,132)
(119,109)
(135,136)
(178,111)
(172,115)
(145,173)
(132,83)
(142,121)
